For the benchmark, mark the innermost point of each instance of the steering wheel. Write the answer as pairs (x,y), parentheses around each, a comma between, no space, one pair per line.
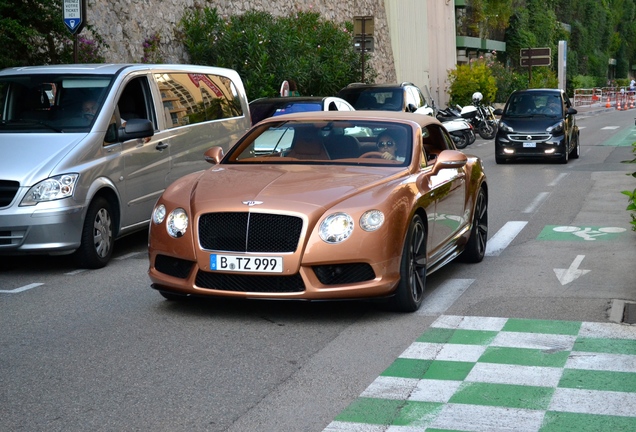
(372,154)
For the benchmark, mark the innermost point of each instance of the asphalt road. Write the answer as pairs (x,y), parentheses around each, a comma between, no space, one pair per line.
(100,350)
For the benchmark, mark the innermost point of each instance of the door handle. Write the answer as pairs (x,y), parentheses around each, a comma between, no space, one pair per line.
(160,146)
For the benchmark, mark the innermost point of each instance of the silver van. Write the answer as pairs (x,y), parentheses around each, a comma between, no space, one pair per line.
(86,150)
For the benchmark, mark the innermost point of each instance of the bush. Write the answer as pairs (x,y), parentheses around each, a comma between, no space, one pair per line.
(632,195)
(317,54)
(467,79)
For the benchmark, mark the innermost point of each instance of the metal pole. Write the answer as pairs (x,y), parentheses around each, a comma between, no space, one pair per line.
(362,47)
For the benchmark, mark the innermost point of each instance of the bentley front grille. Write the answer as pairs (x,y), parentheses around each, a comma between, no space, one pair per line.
(250,283)
(249,232)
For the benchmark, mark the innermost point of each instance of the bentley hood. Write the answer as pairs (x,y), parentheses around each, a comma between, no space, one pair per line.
(284,187)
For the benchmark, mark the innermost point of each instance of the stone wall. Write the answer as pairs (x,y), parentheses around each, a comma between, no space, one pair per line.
(125,24)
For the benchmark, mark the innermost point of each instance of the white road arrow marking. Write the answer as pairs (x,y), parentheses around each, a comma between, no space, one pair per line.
(566,276)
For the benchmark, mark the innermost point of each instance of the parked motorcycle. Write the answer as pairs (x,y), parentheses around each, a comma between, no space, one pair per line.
(460,130)
(481,117)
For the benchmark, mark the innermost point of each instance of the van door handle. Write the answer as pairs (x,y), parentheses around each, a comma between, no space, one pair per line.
(161,146)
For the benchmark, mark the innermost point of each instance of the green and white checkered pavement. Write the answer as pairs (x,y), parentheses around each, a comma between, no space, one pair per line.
(504,374)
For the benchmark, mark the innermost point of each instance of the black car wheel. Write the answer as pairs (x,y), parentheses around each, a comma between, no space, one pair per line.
(566,154)
(476,247)
(410,291)
(576,151)
(96,246)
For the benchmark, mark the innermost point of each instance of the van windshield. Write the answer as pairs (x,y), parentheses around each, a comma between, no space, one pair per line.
(51,103)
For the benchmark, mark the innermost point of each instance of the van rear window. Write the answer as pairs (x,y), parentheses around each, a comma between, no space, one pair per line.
(190,98)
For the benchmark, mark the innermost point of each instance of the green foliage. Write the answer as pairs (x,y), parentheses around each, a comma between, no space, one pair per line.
(152,52)
(318,54)
(631,195)
(470,78)
(508,80)
(32,32)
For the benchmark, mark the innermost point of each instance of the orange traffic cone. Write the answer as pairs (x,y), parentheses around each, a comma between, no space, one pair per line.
(632,104)
(608,105)
(618,104)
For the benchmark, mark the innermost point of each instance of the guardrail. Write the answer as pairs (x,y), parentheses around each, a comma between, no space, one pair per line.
(620,98)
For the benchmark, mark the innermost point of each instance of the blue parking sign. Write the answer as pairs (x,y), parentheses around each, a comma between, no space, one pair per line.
(74,14)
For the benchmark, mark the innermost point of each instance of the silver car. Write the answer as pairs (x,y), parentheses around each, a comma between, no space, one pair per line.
(88,149)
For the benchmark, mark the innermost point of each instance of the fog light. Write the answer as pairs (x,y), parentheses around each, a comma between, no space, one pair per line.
(550,151)
(508,151)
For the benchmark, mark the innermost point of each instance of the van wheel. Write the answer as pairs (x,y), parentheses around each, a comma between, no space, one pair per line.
(96,247)
(410,291)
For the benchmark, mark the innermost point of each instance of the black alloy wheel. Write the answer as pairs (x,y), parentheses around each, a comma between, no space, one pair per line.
(410,291)
(476,247)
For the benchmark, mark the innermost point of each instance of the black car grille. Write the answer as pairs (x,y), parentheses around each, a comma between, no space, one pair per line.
(344,273)
(530,137)
(175,267)
(8,189)
(249,232)
(250,283)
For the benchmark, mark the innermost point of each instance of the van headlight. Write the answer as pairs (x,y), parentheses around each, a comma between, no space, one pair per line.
(177,223)
(54,188)
(336,228)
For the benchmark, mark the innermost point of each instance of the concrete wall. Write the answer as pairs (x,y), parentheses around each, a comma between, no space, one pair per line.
(125,24)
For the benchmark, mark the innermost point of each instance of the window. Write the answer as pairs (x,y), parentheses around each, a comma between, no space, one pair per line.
(190,98)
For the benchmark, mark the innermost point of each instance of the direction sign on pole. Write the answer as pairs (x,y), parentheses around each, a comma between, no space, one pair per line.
(536,52)
(536,61)
(74,15)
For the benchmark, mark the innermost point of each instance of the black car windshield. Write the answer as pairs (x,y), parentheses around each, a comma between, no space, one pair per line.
(534,104)
(354,142)
(260,111)
(385,99)
(51,103)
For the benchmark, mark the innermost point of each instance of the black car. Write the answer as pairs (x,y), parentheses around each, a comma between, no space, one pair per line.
(386,97)
(274,106)
(537,123)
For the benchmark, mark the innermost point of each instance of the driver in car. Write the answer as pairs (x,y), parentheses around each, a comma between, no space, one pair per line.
(387,145)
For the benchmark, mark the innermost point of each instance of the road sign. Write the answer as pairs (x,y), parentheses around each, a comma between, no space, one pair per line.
(368,43)
(536,61)
(536,52)
(74,15)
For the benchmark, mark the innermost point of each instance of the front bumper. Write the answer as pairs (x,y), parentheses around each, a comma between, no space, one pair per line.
(513,146)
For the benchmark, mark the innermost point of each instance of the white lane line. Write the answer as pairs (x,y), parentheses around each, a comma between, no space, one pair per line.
(444,297)
(558,179)
(610,127)
(23,288)
(536,203)
(74,272)
(132,254)
(504,237)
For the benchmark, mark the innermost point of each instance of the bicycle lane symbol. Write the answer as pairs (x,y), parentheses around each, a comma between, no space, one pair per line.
(590,233)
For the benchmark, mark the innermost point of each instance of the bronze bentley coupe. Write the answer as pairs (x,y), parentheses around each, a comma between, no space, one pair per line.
(322,206)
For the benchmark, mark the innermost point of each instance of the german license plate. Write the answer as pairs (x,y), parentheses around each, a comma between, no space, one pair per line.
(529,145)
(246,263)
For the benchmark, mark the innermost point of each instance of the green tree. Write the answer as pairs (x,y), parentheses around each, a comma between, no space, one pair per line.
(316,53)
(470,78)
(32,32)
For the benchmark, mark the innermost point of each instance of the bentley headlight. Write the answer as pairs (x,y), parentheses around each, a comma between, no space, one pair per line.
(556,128)
(336,228)
(371,220)
(177,223)
(51,189)
(159,214)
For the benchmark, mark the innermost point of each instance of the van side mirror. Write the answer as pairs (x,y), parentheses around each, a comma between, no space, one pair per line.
(411,108)
(571,111)
(136,128)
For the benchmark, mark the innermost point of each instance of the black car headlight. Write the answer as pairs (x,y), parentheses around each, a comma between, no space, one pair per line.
(504,127)
(556,128)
